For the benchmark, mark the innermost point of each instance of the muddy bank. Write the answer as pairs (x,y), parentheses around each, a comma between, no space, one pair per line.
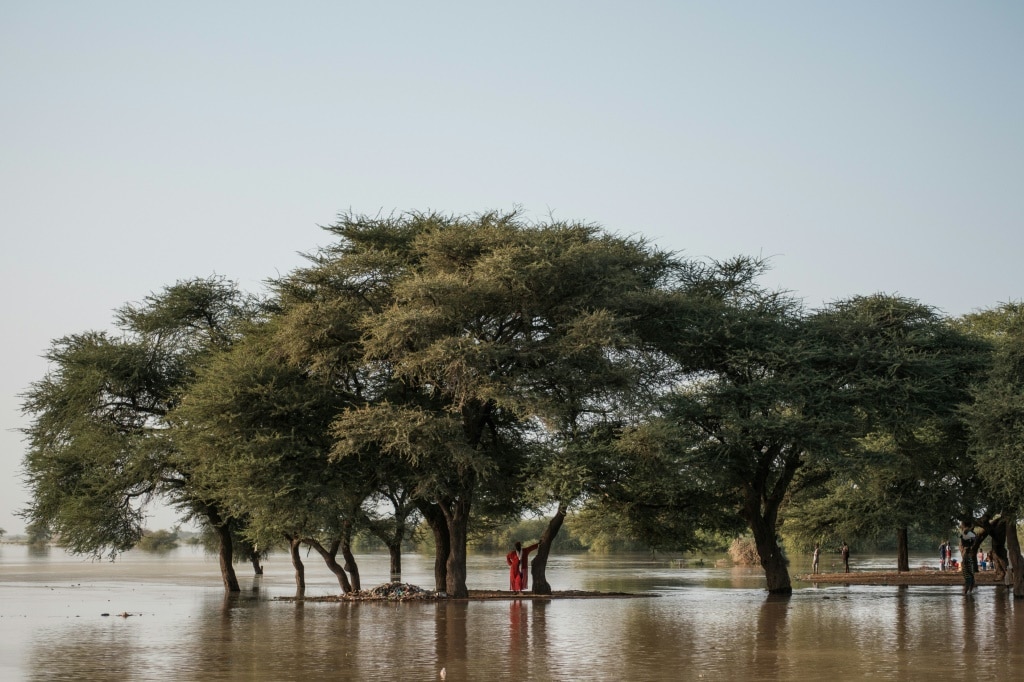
(405,592)
(912,577)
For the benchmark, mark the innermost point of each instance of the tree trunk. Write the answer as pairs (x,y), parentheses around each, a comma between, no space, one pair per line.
(1016,560)
(395,552)
(776,569)
(330,558)
(761,512)
(254,559)
(227,567)
(350,564)
(457,516)
(300,569)
(538,568)
(439,527)
(997,531)
(902,550)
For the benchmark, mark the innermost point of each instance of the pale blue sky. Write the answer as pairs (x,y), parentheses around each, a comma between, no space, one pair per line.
(868,146)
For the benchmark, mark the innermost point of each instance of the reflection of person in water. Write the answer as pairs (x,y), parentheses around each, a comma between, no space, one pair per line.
(518,563)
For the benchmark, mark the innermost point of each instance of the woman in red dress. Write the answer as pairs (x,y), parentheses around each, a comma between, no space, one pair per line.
(518,563)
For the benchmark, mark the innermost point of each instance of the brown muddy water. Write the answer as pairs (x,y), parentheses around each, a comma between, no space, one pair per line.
(696,623)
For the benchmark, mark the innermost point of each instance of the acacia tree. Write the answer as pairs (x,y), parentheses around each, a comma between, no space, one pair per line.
(254,430)
(910,371)
(464,330)
(996,422)
(906,370)
(749,420)
(99,450)
(772,390)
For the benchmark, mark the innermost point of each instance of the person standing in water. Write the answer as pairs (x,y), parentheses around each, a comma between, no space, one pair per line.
(844,551)
(967,556)
(518,565)
(817,554)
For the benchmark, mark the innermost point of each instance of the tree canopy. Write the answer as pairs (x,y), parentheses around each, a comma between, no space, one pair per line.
(462,369)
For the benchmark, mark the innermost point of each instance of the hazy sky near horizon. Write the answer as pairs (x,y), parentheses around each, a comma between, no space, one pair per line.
(862,147)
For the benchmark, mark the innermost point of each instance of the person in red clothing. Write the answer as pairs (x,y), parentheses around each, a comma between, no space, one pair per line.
(518,564)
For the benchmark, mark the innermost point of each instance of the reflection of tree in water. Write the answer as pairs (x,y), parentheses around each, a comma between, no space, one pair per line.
(539,629)
(450,633)
(38,549)
(528,639)
(769,650)
(220,642)
(653,641)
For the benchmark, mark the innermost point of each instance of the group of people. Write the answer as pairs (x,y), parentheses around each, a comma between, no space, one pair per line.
(983,561)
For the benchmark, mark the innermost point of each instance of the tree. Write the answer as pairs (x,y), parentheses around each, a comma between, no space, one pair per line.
(770,390)
(252,429)
(464,334)
(99,449)
(996,422)
(910,371)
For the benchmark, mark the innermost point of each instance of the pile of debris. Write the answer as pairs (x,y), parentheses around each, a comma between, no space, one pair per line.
(395,591)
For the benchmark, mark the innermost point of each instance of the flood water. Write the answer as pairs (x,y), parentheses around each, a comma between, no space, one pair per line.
(692,623)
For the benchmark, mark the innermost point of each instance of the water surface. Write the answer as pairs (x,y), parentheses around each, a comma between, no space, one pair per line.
(696,623)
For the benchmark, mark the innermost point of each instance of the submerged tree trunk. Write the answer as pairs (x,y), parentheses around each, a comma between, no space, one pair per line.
(330,557)
(997,531)
(439,527)
(395,553)
(394,534)
(457,518)
(350,564)
(226,552)
(763,498)
(300,569)
(254,558)
(773,561)
(902,550)
(1016,560)
(538,568)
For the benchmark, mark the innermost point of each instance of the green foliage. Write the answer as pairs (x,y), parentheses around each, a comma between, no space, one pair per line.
(502,538)
(99,445)
(159,540)
(38,533)
(488,369)
(478,350)
(252,431)
(996,418)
